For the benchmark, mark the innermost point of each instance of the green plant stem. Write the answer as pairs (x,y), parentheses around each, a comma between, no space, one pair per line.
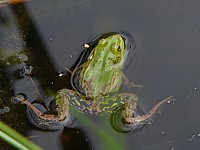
(14,138)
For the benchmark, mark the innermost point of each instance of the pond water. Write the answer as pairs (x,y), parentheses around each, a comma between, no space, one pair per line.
(51,34)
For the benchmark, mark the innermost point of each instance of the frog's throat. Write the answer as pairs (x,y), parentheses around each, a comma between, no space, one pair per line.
(144,119)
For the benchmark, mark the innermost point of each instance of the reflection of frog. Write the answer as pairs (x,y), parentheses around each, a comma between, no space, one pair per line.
(96,80)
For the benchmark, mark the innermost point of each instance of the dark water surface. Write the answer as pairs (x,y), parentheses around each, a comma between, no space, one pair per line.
(51,33)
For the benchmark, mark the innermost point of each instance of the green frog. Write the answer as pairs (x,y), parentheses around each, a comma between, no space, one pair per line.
(96,82)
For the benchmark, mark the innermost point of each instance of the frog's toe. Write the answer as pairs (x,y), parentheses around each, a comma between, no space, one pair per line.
(120,125)
(19,98)
(47,124)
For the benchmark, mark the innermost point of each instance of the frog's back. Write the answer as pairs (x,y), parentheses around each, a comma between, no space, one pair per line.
(100,78)
(103,83)
(101,74)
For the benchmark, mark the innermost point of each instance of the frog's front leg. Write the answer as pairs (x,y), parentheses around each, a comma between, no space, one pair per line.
(128,83)
(38,115)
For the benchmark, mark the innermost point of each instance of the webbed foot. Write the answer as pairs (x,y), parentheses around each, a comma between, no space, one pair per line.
(38,116)
(48,121)
(119,123)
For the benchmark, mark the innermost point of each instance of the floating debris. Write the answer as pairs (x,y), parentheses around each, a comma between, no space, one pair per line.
(61,74)
(163,132)
(6,109)
(17,99)
(27,70)
(192,137)
(86,45)
(22,57)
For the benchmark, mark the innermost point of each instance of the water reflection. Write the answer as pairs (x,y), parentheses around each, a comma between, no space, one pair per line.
(31,70)
(11,114)
(35,45)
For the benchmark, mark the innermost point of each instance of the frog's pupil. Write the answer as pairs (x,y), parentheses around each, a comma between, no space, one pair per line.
(118,48)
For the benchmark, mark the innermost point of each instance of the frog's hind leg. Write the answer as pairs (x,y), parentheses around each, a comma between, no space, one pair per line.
(149,116)
(38,116)
(128,118)
(109,103)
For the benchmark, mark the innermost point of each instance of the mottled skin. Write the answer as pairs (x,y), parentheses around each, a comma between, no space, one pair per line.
(101,74)
(100,78)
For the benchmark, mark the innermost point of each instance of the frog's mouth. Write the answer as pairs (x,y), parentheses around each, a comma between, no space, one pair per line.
(129,46)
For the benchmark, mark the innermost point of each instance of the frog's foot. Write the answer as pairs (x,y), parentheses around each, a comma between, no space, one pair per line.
(117,118)
(48,121)
(37,115)
(119,123)
(132,120)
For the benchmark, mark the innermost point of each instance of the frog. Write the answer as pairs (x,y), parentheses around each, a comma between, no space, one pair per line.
(96,82)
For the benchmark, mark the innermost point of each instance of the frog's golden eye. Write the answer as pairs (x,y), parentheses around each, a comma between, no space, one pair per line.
(118,48)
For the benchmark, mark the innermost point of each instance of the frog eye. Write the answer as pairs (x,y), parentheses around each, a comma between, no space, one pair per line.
(116,47)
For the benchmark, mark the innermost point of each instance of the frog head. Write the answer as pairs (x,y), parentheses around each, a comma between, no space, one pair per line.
(113,49)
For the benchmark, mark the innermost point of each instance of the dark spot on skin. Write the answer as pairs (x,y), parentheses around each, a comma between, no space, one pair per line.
(118,48)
